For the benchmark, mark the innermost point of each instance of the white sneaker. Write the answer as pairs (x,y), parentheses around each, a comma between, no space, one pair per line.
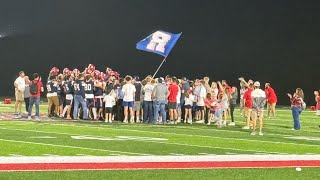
(246,127)
(18,117)
(29,117)
(232,124)
(125,121)
(260,133)
(253,133)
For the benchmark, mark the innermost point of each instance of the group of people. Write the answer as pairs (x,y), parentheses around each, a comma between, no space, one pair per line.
(95,95)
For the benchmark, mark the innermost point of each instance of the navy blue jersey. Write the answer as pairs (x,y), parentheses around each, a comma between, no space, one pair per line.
(67,86)
(98,91)
(51,88)
(78,87)
(88,87)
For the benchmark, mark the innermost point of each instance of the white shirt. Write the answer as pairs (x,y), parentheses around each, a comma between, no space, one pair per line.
(21,83)
(109,101)
(148,88)
(179,95)
(128,91)
(203,94)
(189,100)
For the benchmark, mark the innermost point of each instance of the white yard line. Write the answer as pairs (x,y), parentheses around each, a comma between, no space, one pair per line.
(185,158)
(72,147)
(179,134)
(179,144)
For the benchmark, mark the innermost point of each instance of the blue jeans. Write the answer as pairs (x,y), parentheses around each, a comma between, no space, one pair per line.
(296,117)
(147,112)
(160,106)
(78,99)
(36,101)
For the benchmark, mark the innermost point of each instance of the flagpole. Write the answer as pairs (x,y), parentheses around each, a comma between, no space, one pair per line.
(159,67)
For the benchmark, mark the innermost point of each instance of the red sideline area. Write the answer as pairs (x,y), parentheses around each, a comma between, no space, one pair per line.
(156,165)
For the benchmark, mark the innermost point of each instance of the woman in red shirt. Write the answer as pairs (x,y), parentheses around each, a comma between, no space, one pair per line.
(296,107)
(271,100)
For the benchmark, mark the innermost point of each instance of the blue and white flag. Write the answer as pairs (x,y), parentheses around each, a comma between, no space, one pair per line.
(159,42)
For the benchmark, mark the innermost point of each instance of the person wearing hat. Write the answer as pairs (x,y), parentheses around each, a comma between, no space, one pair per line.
(258,102)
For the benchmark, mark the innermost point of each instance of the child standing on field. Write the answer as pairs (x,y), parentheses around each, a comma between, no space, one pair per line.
(110,101)
(189,99)
(317,99)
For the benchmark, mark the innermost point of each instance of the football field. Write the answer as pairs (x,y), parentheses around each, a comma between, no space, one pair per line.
(58,149)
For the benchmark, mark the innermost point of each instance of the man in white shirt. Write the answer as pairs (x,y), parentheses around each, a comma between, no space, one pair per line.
(129,91)
(19,85)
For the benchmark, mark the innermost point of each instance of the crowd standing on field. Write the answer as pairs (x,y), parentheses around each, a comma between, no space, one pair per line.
(105,96)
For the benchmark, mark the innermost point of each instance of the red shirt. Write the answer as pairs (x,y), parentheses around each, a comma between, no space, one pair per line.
(173,89)
(208,102)
(39,88)
(296,101)
(247,98)
(271,95)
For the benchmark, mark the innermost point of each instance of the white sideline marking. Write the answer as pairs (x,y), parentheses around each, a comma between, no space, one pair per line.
(73,147)
(15,155)
(304,138)
(179,134)
(119,138)
(188,158)
(180,144)
(42,137)
(177,154)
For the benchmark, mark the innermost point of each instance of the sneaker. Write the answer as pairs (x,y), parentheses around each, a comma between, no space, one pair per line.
(246,127)
(260,133)
(125,121)
(293,129)
(29,117)
(253,133)
(18,117)
(37,118)
(232,124)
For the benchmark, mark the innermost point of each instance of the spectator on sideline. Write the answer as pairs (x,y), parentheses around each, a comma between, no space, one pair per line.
(271,100)
(233,103)
(243,89)
(137,102)
(189,99)
(317,99)
(52,95)
(185,86)
(159,95)
(79,97)
(147,101)
(247,101)
(27,94)
(19,85)
(172,100)
(35,97)
(258,102)
(296,107)
(129,91)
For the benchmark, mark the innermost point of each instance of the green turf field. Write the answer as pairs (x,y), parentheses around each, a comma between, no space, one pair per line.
(60,138)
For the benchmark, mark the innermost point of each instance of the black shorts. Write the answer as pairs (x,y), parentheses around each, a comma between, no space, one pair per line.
(200,108)
(61,100)
(172,105)
(68,102)
(108,109)
(98,103)
(187,106)
(90,102)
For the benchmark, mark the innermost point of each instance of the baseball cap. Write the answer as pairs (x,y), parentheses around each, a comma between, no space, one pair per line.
(136,78)
(184,79)
(257,84)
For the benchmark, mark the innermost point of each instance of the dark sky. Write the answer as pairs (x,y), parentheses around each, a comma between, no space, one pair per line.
(271,40)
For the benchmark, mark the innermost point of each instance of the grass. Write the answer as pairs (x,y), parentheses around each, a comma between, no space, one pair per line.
(28,138)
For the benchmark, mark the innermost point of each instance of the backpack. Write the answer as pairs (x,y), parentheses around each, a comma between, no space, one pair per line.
(34,88)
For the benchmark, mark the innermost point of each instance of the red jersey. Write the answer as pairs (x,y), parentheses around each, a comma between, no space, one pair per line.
(173,89)
(207,102)
(271,95)
(39,83)
(248,99)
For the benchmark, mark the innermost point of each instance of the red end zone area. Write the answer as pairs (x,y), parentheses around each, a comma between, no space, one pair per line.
(155,162)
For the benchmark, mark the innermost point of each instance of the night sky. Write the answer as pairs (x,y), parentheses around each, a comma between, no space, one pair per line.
(272,40)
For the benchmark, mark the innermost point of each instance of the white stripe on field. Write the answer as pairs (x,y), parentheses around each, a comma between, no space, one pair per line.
(179,144)
(191,158)
(179,134)
(72,147)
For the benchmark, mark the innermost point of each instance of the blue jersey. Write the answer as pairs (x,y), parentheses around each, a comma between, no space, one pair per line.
(67,86)
(51,88)
(98,91)
(78,87)
(88,87)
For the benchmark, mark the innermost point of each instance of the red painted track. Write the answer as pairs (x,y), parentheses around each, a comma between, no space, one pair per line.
(156,165)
